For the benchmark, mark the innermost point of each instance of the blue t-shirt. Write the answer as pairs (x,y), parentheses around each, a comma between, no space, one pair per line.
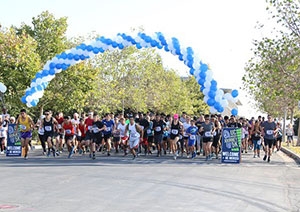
(192,130)
(109,126)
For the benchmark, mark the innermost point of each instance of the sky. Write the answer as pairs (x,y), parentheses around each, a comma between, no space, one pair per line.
(220,32)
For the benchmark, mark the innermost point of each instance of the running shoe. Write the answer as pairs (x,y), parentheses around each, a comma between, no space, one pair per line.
(26,157)
(269,159)
(57,153)
(48,154)
(134,157)
(94,157)
(265,157)
(80,151)
(108,153)
(175,156)
(254,156)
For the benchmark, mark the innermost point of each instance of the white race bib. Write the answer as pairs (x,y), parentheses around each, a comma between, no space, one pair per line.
(270,132)
(48,128)
(192,137)
(68,131)
(142,127)
(96,129)
(207,134)
(148,131)
(59,126)
(259,142)
(175,132)
(134,135)
(158,129)
(23,127)
(89,127)
(108,129)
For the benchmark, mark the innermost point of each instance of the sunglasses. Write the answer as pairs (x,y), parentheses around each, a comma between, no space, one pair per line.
(47,114)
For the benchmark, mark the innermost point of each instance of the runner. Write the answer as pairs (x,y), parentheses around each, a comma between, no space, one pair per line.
(158,127)
(116,135)
(97,129)
(69,132)
(48,123)
(290,134)
(198,123)
(81,135)
(121,128)
(86,143)
(186,125)
(144,124)
(26,127)
(192,131)
(41,132)
(256,138)
(3,135)
(279,137)
(135,135)
(216,136)
(176,127)
(109,123)
(207,130)
(269,128)
(245,135)
(150,134)
(59,132)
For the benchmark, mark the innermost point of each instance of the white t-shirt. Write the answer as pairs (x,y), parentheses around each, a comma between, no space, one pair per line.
(185,126)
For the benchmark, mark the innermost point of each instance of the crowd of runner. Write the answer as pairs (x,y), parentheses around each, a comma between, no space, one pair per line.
(146,134)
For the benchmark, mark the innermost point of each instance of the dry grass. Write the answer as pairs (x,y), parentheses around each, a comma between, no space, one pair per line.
(295,149)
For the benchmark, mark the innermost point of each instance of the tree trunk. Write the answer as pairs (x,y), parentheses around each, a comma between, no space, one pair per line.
(41,111)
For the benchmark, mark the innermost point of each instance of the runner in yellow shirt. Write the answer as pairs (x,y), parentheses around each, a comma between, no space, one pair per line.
(26,127)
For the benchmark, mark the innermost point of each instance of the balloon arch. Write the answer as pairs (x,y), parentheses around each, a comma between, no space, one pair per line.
(213,96)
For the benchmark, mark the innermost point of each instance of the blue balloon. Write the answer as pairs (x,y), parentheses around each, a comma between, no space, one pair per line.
(52,65)
(180,57)
(138,46)
(23,99)
(82,57)
(154,43)
(114,44)
(167,49)
(121,46)
(58,66)
(64,55)
(213,88)
(45,73)
(214,83)
(64,66)
(28,93)
(39,88)
(159,46)
(234,111)
(211,94)
(211,102)
(201,81)
(203,67)
(38,75)
(89,48)
(101,50)
(34,102)
(202,88)
(234,93)
(95,50)
(202,75)
(217,105)
(189,57)
(221,110)
(70,56)
(76,57)
(192,71)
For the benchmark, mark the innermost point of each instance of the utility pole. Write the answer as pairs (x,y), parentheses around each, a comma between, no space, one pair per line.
(284,125)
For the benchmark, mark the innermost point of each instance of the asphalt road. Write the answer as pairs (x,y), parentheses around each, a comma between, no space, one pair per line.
(148,184)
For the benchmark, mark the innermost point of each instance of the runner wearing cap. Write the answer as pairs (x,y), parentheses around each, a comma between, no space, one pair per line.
(207,130)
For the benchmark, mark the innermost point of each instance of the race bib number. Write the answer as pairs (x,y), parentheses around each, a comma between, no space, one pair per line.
(149,131)
(259,142)
(158,129)
(174,132)
(270,132)
(108,129)
(215,133)
(95,129)
(48,128)
(142,127)
(192,137)
(23,127)
(59,126)
(89,127)
(180,136)
(68,132)
(207,134)
(134,135)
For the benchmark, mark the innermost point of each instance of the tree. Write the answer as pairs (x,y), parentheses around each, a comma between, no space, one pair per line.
(18,64)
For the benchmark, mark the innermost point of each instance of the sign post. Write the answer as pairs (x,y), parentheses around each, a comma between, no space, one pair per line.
(231,145)
(14,147)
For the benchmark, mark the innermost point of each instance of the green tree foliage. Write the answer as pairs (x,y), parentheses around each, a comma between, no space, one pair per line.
(18,64)
(273,74)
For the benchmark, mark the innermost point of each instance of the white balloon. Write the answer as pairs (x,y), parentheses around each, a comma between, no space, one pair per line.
(205,91)
(38,81)
(33,84)
(224,103)
(205,99)
(209,73)
(235,100)
(220,92)
(197,78)
(196,73)
(28,104)
(228,96)
(207,84)
(218,98)
(29,99)
(212,110)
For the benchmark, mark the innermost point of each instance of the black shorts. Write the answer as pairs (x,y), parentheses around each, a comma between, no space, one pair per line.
(116,139)
(172,136)
(150,139)
(2,139)
(158,138)
(80,138)
(279,139)
(269,142)
(88,136)
(207,139)
(97,138)
(69,137)
(48,134)
(216,141)
(106,137)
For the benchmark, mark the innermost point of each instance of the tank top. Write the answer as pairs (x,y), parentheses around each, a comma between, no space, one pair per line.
(175,128)
(69,129)
(48,126)
(3,132)
(24,124)
(133,132)
(81,128)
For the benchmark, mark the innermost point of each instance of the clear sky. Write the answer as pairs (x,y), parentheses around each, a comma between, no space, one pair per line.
(220,32)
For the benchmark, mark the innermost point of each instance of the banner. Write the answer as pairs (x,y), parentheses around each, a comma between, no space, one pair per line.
(231,145)
(13,141)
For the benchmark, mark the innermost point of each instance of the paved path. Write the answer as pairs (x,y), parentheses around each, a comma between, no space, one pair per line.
(148,184)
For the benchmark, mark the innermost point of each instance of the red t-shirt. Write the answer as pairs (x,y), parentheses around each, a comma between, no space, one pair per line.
(69,129)
(82,130)
(88,123)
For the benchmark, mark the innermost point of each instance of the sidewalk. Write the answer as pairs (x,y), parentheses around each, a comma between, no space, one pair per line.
(292,151)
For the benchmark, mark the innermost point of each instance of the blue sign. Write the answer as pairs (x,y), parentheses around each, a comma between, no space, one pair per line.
(14,147)
(231,145)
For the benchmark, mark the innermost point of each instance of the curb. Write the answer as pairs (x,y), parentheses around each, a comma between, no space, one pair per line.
(291,154)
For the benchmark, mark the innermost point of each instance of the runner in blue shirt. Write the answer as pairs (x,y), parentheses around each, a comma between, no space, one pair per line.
(192,131)
(109,123)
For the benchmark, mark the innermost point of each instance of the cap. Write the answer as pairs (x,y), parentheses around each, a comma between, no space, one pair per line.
(176,116)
